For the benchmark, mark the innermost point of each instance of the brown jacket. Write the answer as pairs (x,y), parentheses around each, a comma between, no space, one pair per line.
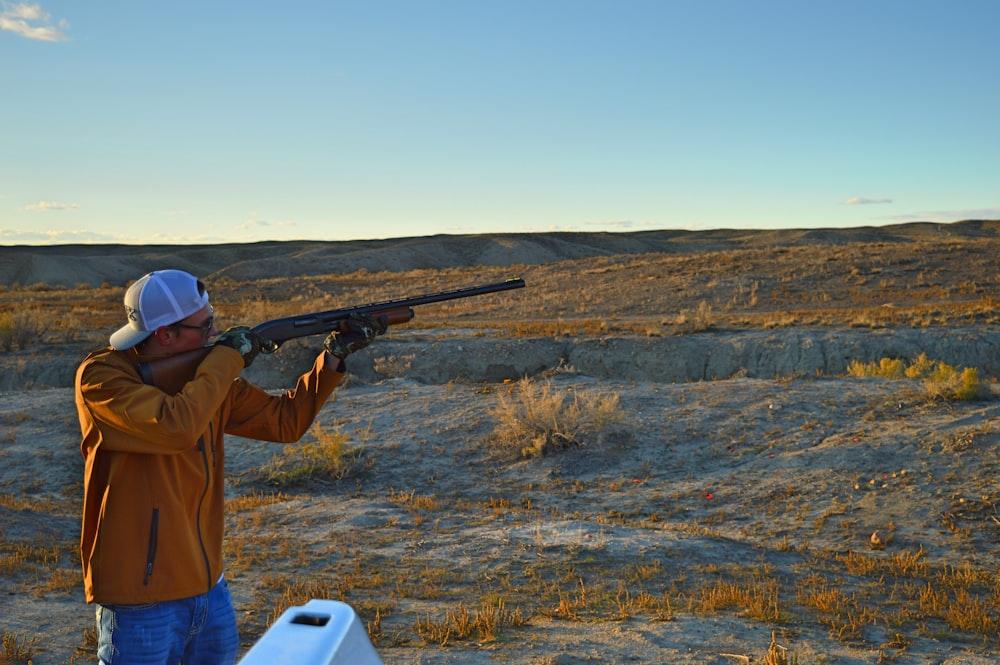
(154,468)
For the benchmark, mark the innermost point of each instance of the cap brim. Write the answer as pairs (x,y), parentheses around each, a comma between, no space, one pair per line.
(126,337)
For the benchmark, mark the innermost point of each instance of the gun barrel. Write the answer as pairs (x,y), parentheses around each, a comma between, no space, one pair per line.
(316,323)
(515,283)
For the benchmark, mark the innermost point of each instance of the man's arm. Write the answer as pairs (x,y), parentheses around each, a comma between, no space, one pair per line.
(254,413)
(131,416)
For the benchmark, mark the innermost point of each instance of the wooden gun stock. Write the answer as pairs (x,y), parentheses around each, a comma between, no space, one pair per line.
(171,373)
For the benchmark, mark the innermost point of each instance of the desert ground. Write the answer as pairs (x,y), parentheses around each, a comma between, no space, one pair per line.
(721,509)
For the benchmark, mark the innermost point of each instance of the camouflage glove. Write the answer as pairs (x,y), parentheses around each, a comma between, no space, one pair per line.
(243,340)
(361,330)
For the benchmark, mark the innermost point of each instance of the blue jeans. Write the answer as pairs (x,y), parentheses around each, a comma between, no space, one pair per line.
(194,631)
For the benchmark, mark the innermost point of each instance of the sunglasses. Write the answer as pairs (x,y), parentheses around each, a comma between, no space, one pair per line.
(204,328)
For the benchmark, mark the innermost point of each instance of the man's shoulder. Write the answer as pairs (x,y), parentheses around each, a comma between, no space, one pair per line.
(106,359)
(108,355)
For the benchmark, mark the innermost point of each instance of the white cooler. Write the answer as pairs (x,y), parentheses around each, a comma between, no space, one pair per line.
(321,632)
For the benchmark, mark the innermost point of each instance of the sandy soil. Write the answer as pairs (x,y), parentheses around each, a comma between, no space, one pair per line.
(701,479)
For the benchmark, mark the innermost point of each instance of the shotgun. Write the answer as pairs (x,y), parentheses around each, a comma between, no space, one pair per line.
(171,373)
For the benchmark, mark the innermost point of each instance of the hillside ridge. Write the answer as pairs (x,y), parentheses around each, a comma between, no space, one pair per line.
(117,264)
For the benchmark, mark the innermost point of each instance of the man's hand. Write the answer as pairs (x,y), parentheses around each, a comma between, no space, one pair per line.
(362,329)
(243,340)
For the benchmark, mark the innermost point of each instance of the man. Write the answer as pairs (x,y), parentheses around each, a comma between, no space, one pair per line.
(151,542)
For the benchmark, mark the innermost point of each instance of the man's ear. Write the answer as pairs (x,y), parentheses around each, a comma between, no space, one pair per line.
(165,335)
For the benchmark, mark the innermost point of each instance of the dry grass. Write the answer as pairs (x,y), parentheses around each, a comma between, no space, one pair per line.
(17,649)
(849,592)
(484,625)
(323,454)
(856,595)
(853,594)
(916,284)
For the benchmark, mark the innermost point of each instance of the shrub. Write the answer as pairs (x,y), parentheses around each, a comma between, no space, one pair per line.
(20,329)
(939,380)
(921,366)
(536,419)
(887,368)
(701,320)
(943,381)
(947,382)
(328,456)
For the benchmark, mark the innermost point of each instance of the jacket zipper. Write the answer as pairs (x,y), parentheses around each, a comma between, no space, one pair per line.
(154,527)
(201,503)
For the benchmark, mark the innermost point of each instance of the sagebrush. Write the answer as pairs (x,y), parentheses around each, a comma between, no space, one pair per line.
(535,418)
(939,380)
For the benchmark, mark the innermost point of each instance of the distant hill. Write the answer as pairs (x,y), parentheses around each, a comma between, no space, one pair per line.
(71,265)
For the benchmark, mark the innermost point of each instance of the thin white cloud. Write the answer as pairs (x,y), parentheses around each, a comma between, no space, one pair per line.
(620,224)
(945,216)
(252,222)
(864,201)
(45,206)
(178,239)
(609,225)
(12,237)
(85,237)
(31,22)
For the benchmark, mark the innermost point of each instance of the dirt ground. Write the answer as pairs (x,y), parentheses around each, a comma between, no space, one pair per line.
(700,478)
(734,503)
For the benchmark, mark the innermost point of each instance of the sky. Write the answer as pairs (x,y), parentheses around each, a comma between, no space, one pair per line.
(207,122)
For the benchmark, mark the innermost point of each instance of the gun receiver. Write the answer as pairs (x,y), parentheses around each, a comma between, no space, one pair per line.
(170,374)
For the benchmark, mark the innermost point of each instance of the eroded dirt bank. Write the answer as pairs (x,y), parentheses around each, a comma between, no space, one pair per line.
(696,357)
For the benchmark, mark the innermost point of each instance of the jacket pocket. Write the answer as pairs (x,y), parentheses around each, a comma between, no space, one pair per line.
(154,527)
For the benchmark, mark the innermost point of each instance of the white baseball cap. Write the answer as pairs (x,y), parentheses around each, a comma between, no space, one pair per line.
(161,298)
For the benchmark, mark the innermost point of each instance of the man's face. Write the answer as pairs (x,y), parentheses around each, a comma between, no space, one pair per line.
(194,331)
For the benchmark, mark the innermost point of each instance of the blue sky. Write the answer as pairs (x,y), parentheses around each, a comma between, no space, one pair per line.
(204,122)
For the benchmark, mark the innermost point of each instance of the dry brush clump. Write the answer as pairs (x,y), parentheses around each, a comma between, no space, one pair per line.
(17,649)
(535,418)
(21,329)
(324,454)
(939,381)
(485,624)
